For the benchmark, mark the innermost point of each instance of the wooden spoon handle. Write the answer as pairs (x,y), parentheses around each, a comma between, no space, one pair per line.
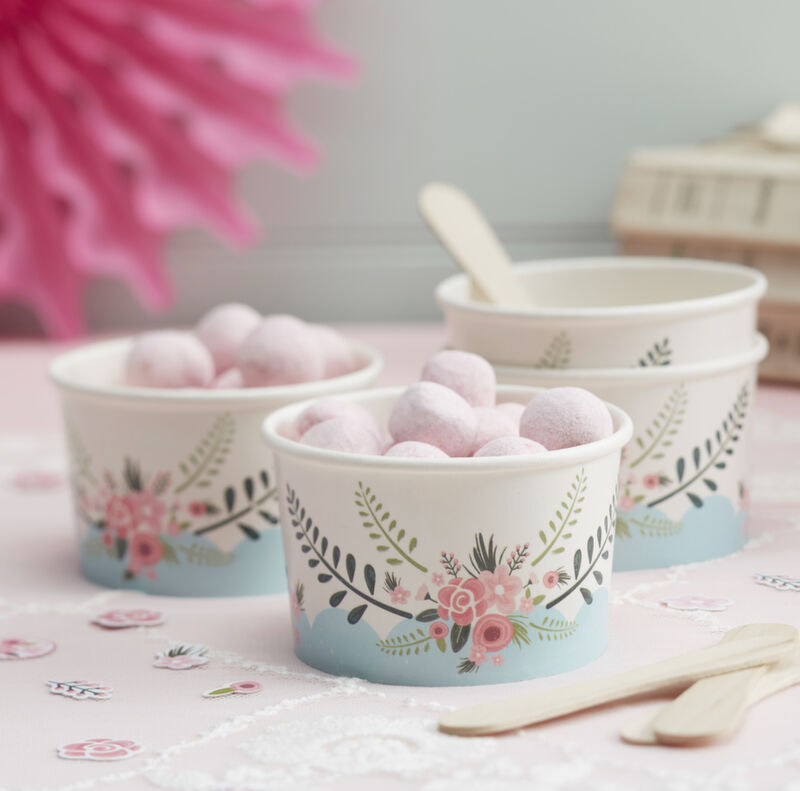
(682,670)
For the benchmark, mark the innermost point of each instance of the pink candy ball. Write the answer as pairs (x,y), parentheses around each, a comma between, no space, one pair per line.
(222,331)
(337,354)
(492,423)
(467,374)
(343,434)
(229,380)
(509,446)
(513,410)
(432,413)
(564,417)
(415,450)
(168,358)
(281,350)
(330,408)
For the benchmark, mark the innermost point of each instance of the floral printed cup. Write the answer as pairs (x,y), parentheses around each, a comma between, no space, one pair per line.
(683,485)
(610,313)
(447,571)
(174,492)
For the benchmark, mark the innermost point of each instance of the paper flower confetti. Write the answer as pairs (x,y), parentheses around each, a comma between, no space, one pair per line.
(12,648)
(123,120)
(693,602)
(80,690)
(778,582)
(236,688)
(100,750)
(182,657)
(122,619)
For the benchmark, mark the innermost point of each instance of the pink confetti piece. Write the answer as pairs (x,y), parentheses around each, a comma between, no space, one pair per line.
(690,602)
(235,688)
(81,690)
(123,619)
(182,657)
(778,582)
(103,749)
(13,648)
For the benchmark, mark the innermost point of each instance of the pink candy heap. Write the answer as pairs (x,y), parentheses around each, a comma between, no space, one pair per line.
(233,346)
(453,412)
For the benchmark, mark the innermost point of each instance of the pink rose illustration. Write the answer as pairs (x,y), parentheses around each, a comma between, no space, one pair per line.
(493,632)
(181,662)
(477,654)
(550,579)
(197,508)
(526,604)
(100,749)
(463,599)
(693,602)
(626,502)
(399,595)
(501,589)
(120,515)
(148,510)
(145,550)
(438,630)
(119,619)
(650,481)
(13,648)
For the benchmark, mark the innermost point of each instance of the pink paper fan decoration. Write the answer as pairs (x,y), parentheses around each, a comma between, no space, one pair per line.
(122,120)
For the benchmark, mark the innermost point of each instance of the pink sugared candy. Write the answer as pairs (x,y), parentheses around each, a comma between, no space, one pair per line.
(564,417)
(229,380)
(281,350)
(337,353)
(330,408)
(415,450)
(223,330)
(492,423)
(168,358)
(432,413)
(513,410)
(343,434)
(509,446)
(467,374)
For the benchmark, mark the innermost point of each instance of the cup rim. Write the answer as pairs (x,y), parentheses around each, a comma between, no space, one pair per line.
(641,374)
(751,292)
(552,459)
(59,374)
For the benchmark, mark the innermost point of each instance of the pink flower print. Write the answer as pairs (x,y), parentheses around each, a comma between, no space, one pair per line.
(534,578)
(422,593)
(197,508)
(694,602)
(295,602)
(526,604)
(438,630)
(181,662)
(438,579)
(626,502)
(493,632)
(550,579)
(120,516)
(100,749)
(148,510)
(650,481)
(13,648)
(497,659)
(119,619)
(246,687)
(501,589)
(463,599)
(399,595)
(108,538)
(477,654)
(146,549)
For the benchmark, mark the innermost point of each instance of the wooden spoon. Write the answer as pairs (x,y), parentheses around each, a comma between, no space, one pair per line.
(505,715)
(468,237)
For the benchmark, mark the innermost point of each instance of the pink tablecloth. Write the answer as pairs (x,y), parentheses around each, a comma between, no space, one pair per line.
(306,729)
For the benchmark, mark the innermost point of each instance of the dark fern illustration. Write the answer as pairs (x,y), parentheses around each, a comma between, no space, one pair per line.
(335,565)
(252,509)
(483,556)
(657,354)
(658,435)
(209,454)
(597,547)
(709,456)
(566,516)
(384,529)
(557,354)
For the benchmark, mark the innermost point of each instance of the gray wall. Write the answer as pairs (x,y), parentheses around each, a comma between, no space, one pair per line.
(529,105)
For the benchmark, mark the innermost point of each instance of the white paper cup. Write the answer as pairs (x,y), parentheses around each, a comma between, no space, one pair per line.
(447,571)
(683,483)
(614,312)
(174,491)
